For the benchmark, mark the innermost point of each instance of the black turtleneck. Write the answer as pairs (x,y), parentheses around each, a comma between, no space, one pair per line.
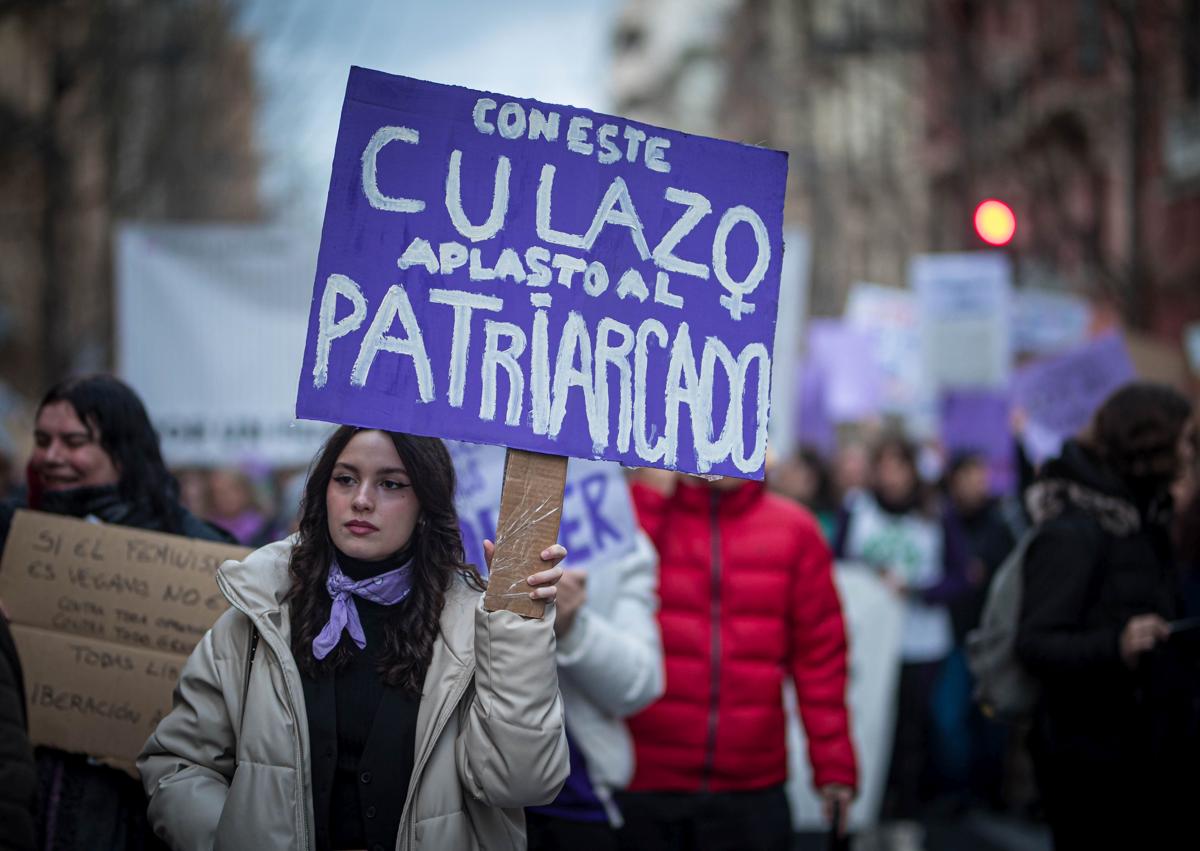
(349,786)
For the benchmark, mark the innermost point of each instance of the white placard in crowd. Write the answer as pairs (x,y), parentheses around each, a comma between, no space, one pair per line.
(598,522)
(873,618)
(210,332)
(889,314)
(1047,322)
(964,308)
(793,312)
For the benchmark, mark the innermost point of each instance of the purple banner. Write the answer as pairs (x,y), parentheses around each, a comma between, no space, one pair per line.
(1059,395)
(504,271)
(846,357)
(978,421)
(813,426)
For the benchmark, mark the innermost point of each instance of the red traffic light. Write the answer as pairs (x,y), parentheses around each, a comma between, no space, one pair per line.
(995,222)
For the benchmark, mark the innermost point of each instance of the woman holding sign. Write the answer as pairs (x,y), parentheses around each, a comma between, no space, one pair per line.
(96,456)
(357,695)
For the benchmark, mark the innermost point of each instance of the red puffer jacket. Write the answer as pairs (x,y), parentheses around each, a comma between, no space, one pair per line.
(747,598)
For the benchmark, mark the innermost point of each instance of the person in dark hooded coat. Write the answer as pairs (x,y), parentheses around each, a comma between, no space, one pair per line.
(1113,739)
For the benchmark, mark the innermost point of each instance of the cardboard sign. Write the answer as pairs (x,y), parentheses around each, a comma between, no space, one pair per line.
(598,523)
(964,306)
(94,697)
(504,271)
(531,502)
(1059,395)
(104,618)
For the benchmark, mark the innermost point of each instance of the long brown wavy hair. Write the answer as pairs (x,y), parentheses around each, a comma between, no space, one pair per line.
(437,551)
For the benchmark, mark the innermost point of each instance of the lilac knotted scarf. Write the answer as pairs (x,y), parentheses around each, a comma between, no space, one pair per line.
(386,589)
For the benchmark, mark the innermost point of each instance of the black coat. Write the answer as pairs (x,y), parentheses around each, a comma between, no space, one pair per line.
(18,777)
(1100,557)
(990,532)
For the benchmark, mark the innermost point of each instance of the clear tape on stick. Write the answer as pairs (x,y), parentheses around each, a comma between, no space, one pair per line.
(509,560)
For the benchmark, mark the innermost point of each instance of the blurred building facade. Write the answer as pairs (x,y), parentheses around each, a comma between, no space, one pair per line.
(901,115)
(109,110)
(1085,117)
(835,83)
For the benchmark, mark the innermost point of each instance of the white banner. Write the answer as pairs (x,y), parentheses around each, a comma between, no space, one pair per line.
(873,618)
(964,305)
(210,333)
(783,431)
(1046,322)
(889,315)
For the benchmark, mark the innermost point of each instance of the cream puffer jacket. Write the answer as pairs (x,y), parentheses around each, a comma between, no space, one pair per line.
(489,741)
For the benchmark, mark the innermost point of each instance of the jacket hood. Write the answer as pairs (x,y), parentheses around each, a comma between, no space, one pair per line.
(1078,479)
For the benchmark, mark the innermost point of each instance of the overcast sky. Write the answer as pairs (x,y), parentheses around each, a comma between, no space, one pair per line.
(552,50)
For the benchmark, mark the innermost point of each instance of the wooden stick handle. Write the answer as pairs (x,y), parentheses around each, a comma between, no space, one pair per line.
(530,512)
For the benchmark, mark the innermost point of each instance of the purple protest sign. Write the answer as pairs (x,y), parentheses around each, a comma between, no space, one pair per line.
(1059,395)
(853,380)
(978,421)
(503,271)
(813,426)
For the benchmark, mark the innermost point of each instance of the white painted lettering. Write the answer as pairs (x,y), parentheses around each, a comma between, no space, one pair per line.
(370,177)
(454,204)
(329,328)
(463,303)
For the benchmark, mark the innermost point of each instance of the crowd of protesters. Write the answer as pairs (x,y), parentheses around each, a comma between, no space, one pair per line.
(356,694)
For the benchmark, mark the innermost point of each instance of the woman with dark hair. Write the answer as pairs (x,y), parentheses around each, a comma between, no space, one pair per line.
(96,455)
(389,710)
(1113,737)
(898,528)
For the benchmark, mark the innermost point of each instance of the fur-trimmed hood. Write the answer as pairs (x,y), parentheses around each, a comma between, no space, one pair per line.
(1078,479)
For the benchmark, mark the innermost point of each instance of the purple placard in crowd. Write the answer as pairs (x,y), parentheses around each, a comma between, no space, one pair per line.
(1059,395)
(504,271)
(846,357)
(814,428)
(978,421)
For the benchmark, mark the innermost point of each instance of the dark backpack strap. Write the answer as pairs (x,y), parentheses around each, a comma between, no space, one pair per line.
(250,651)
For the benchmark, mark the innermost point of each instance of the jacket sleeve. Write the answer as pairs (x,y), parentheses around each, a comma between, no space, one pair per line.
(841,537)
(818,666)
(18,775)
(616,660)
(512,748)
(956,554)
(1058,584)
(188,762)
